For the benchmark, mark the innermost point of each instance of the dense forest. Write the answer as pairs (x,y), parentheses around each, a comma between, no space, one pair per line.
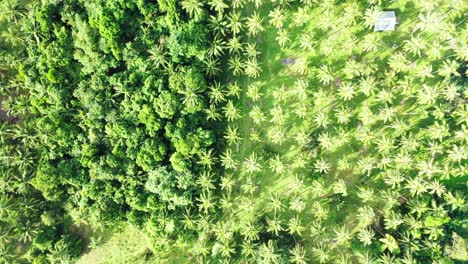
(234,131)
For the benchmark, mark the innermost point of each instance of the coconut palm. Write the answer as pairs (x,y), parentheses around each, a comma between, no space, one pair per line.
(277,165)
(217,24)
(414,46)
(232,135)
(275,204)
(206,202)
(158,57)
(233,89)
(297,204)
(416,186)
(389,243)
(228,160)
(250,231)
(253,91)
(255,135)
(366,236)
(254,24)
(227,182)
(238,4)
(212,113)
(398,62)
(365,215)
(267,253)
(274,225)
(321,120)
(231,111)
(12,11)
(216,93)
(449,68)
(346,91)
(217,46)
(371,16)
(282,38)
(236,65)
(339,187)
(322,166)
(319,211)
(206,158)
(252,163)
(295,226)
(218,6)
(252,68)
(277,135)
(191,96)
(212,66)
(257,115)
(306,41)
(298,255)
(278,117)
(301,16)
(251,50)
(343,115)
(235,22)
(325,75)
(277,17)
(342,235)
(205,181)
(321,253)
(234,46)
(193,7)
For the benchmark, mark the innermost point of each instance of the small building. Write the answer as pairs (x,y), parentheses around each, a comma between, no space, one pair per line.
(386,22)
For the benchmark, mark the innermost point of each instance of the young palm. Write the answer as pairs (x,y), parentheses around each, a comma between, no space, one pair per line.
(231,111)
(365,215)
(252,163)
(277,17)
(238,4)
(228,160)
(193,7)
(250,231)
(254,24)
(321,120)
(255,135)
(232,135)
(252,68)
(307,42)
(301,89)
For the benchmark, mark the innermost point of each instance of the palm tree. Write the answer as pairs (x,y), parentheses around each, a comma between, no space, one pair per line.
(278,117)
(449,68)
(12,11)
(343,115)
(238,4)
(457,154)
(212,66)
(277,165)
(217,24)
(346,91)
(251,50)
(325,75)
(217,46)
(218,6)
(257,115)
(398,62)
(252,68)
(232,135)
(234,45)
(233,89)
(212,113)
(252,163)
(236,65)
(235,22)
(231,111)
(253,91)
(371,16)
(389,243)
(282,38)
(307,42)
(365,215)
(206,202)
(301,89)
(274,225)
(277,17)
(206,158)
(267,253)
(255,135)
(321,253)
(416,186)
(205,181)
(297,204)
(227,182)
(275,204)
(366,236)
(216,93)
(339,186)
(250,231)
(301,17)
(295,226)
(254,24)
(321,120)
(193,7)
(342,235)
(298,255)
(191,96)
(414,46)
(158,57)
(325,141)
(228,160)
(277,135)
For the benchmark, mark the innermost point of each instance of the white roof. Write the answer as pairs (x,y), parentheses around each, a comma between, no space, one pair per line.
(387,21)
